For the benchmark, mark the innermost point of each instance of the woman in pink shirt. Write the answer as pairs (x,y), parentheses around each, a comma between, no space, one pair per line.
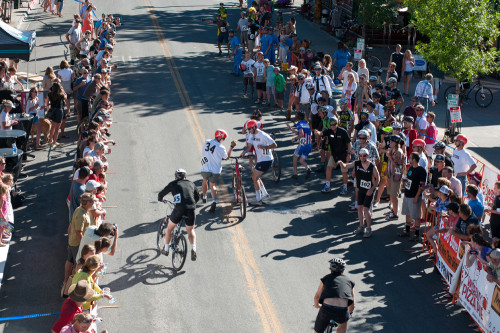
(431,133)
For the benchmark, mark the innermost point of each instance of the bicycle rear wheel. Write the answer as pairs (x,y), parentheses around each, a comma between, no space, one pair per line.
(243,203)
(484,97)
(276,167)
(449,90)
(160,235)
(179,252)
(373,64)
(235,190)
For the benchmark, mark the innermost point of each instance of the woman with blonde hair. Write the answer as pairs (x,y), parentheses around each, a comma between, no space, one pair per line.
(88,272)
(408,64)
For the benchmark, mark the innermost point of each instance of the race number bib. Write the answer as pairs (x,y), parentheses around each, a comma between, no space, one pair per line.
(222,29)
(365,184)
(177,198)
(408,184)
(260,71)
(302,141)
(252,36)
(244,28)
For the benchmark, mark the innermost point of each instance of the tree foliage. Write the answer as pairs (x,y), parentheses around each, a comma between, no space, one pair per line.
(374,13)
(461,33)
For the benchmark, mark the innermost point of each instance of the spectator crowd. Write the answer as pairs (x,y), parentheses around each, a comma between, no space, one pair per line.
(362,126)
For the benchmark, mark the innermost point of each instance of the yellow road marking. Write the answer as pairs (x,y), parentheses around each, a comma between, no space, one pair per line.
(256,287)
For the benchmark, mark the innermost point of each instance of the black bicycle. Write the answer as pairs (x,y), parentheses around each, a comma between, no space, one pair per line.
(330,328)
(178,243)
(483,95)
(276,166)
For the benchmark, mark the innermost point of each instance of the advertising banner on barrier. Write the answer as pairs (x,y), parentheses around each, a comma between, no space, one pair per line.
(449,254)
(480,298)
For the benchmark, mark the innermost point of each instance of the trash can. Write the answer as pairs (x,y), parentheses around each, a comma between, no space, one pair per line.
(324,16)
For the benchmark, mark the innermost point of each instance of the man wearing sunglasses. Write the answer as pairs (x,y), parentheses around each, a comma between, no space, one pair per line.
(367,179)
(263,145)
(340,143)
(463,161)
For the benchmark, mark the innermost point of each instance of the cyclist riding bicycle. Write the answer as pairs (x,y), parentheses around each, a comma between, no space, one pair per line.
(334,298)
(212,154)
(186,196)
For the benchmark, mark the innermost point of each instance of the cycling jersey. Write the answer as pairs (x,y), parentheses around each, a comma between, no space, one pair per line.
(304,126)
(262,139)
(212,154)
(185,193)
(344,118)
(363,176)
(259,70)
(248,67)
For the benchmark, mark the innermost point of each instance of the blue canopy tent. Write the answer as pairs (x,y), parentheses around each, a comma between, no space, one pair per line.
(16,43)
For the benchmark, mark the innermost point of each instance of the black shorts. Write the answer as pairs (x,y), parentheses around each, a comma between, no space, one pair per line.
(179,212)
(495,229)
(315,121)
(364,199)
(223,37)
(263,166)
(280,95)
(328,313)
(260,86)
(57,115)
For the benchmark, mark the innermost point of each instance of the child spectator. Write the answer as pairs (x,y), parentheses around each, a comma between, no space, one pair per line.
(280,87)
(270,87)
(474,203)
(495,214)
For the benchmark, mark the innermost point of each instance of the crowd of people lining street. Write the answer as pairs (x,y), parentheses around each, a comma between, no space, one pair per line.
(361,125)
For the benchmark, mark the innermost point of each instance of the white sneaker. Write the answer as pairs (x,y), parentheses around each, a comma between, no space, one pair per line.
(266,197)
(367,233)
(375,204)
(255,202)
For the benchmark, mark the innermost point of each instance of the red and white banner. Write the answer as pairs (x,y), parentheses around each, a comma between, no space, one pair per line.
(488,184)
(480,298)
(449,254)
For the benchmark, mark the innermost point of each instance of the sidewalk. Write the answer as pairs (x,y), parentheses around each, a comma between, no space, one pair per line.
(476,121)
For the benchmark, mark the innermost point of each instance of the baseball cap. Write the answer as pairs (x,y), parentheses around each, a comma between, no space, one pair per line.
(302,49)
(494,254)
(373,78)
(92,185)
(444,189)
(439,158)
(476,176)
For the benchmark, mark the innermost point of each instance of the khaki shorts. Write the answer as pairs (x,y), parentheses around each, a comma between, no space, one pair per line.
(393,188)
(212,177)
(333,164)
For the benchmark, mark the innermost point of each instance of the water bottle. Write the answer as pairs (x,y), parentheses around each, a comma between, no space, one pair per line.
(14,149)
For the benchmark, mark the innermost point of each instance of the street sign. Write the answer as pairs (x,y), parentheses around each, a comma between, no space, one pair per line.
(360,45)
(455,114)
(452,101)
(420,63)
(358,54)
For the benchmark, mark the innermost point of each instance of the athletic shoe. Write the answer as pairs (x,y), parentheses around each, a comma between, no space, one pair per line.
(392,216)
(255,202)
(165,253)
(375,204)
(359,230)
(308,173)
(204,199)
(352,210)
(352,205)
(350,181)
(326,189)
(212,207)
(257,101)
(367,233)
(193,255)
(343,191)
(415,238)
(295,176)
(319,169)
(245,95)
(404,234)
(264,102)
(266,197)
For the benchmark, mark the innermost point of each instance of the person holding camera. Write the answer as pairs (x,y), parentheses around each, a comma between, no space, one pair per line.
(94,233)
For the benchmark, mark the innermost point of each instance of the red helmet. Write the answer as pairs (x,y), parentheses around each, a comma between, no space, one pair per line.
(252,123)
(419,142)
(462,138)
(243,67)
(220,133)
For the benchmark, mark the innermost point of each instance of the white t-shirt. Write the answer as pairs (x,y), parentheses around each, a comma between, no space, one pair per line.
(36,111)
(422,123)
(212,154)
(262,139)
(344,76)
(5,118)
(65,74)
(423,162)
(249,66)
(364,71)
(260,69)
(461,159)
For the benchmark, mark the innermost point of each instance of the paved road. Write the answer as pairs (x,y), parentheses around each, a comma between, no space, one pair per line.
(258,275)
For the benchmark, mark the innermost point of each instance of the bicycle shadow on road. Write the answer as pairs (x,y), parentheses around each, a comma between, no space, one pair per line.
(140,229)
(140,268)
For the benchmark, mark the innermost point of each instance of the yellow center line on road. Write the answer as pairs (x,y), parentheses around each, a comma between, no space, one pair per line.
(255,283)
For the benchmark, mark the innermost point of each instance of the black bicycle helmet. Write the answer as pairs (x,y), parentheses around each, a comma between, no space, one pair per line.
(337,265)
(180,174)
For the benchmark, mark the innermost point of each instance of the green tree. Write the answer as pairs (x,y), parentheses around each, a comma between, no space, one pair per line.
(374,13)
(461,33)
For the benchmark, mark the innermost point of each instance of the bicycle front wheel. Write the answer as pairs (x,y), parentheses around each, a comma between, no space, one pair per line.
(373,64)
(276,167)
(234,187)
(243,203)
(484,97)
(179,253)
(160,235)
(449,90)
